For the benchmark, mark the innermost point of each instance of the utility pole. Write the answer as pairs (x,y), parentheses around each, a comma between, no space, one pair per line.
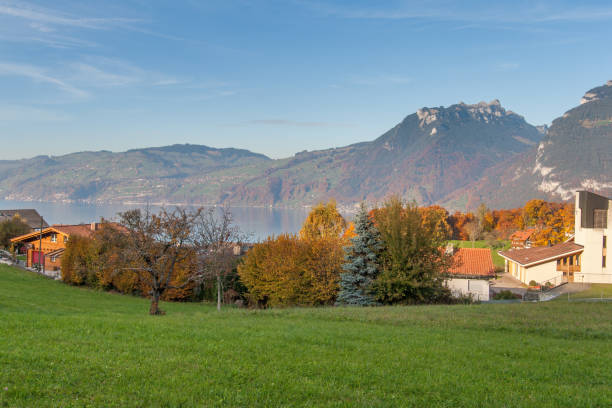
(41,265)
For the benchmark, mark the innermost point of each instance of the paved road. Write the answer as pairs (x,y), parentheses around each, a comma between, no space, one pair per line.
(506,281)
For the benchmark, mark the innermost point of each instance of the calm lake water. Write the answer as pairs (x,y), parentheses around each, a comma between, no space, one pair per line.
(260,222)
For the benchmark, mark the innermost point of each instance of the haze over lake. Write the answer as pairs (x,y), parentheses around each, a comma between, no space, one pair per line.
(259,221)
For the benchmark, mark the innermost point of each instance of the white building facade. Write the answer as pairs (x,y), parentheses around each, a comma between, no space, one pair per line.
(593,230)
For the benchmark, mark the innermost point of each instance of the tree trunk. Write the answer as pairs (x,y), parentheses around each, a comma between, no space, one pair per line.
(219,291)
(154,310)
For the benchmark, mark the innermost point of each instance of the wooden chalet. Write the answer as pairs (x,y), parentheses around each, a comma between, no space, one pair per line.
(522,239)
(46,247)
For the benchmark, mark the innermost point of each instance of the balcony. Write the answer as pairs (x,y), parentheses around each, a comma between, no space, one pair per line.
(568,268)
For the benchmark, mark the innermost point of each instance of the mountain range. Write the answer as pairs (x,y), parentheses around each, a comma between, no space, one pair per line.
(456,156)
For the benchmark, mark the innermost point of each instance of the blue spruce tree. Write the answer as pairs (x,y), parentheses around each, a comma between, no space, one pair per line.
(361,266)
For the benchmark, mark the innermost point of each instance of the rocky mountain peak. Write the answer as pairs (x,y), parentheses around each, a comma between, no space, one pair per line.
(598,93)
(481,111)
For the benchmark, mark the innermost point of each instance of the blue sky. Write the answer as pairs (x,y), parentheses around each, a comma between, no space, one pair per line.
(278,77)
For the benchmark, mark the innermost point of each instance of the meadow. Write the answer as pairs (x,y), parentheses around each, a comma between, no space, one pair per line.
(73,347)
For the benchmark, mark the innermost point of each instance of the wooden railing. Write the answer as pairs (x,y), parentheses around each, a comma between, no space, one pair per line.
(568,268)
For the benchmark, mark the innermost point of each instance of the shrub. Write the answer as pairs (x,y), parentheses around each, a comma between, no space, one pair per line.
(506,295)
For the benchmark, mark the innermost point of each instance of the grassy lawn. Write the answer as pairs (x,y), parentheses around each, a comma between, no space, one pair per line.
(596,290)
(65,346)
(497,260)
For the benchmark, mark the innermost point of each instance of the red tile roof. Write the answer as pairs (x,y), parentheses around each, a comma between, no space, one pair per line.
(522,235)
(535,255)
(472,262)
(83,230)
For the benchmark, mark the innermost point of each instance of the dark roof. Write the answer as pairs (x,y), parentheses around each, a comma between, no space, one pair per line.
(29,216)
(472,262)
(536,255)
(83,230)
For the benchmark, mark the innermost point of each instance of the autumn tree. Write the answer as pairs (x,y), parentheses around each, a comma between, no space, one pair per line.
(215,236)
(324,220)
(81,261)
(457,222)
(156,245)
(362,263)
(435,219)
(287,271)
(474,231)
(412,260)
(12,228)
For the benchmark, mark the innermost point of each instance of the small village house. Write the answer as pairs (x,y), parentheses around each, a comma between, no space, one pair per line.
(29,216)
(47,247)
(550,264)
(471,271)
(582,259)
(522,239)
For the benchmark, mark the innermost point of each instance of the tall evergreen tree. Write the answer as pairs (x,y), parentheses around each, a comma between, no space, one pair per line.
(361,266)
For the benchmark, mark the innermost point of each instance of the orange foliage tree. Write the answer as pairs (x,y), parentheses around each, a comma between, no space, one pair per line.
(435,219)
(287,271)
(324,220)
(299,269)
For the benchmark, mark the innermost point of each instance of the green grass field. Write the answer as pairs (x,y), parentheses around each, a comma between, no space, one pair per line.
(497,260)
(62,346)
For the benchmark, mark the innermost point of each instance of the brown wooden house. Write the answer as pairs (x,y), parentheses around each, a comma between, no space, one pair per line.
(522,239)
(46,247)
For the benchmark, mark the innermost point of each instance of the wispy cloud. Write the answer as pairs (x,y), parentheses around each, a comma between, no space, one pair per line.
(493,12)
(39,75)
(23,21)
(45,17)
(94,71)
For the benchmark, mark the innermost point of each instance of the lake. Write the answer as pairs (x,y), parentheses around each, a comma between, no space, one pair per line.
(258,221)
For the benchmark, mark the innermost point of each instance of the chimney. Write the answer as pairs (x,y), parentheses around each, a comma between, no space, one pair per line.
(93,226)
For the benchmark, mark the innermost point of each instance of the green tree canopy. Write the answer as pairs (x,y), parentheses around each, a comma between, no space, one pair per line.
(412,259)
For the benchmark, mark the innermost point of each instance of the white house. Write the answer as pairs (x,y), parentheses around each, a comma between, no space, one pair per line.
(583,260)
(471,271)
(592,230)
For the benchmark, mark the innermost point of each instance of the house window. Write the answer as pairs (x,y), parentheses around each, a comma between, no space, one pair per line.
(53,237)
(65,239)
(600,218)
(577,260)
(571,260)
